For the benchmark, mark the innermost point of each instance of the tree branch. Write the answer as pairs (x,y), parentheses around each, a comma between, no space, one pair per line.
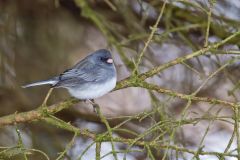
(36,114)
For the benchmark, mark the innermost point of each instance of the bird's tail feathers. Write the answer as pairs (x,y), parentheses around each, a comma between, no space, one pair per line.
(38,83)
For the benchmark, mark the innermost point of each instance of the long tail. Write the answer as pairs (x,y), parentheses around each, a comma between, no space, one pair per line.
(52,81)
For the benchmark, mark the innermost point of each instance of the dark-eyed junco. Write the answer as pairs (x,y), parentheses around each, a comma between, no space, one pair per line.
(90,78)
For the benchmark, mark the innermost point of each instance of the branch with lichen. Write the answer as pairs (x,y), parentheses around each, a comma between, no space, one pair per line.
(46,114)
(132,81)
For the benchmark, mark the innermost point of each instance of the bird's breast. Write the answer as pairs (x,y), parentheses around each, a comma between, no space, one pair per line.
(93,90)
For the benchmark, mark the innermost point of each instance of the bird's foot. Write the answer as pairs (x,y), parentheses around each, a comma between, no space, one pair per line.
(94,105)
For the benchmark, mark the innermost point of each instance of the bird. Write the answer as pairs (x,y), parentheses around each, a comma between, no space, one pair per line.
(90,78)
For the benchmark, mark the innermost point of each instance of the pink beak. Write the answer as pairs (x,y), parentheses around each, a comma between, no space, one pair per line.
(110,60)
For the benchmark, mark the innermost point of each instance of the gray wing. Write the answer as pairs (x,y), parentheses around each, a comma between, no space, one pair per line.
(82,73)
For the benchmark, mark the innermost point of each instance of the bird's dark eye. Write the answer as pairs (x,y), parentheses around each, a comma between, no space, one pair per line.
(103,59)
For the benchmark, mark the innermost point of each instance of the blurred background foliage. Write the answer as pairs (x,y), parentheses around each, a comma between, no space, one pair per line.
(42,38)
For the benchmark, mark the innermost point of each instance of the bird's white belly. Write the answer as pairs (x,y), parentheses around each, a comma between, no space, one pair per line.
(94,90)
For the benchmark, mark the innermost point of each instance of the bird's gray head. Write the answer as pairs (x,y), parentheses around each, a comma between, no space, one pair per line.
(101,57)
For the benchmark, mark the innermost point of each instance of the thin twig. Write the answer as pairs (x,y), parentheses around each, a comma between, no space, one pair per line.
(154,29)
(69,145)
(209,13)
(98,150)
(109,129)
(44,104)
